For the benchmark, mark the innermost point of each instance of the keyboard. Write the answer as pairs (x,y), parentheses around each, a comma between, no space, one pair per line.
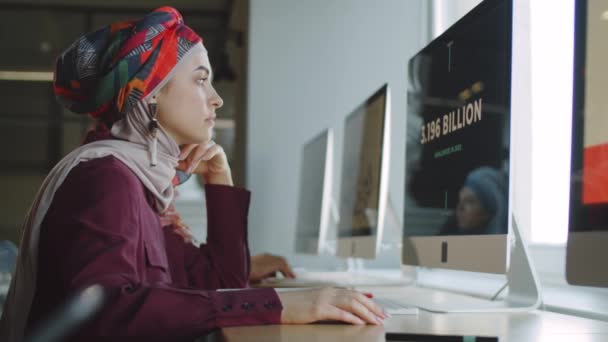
(395,307)
(343,279)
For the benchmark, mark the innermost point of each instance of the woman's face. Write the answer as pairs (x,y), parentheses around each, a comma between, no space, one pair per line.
(470,214)
(186,105)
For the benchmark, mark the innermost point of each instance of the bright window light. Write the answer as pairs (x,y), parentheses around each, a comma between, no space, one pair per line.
(552,34)
(39,76)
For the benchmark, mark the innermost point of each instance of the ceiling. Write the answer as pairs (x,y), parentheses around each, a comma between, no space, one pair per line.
(210,5)
(54,24)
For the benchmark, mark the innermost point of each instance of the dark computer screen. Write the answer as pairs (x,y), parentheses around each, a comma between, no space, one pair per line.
(458,117)
(361,167)
(589,186)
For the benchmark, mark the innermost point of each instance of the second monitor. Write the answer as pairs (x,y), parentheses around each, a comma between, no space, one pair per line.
(364,181)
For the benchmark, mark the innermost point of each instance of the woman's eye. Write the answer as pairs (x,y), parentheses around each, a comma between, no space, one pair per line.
(202,80)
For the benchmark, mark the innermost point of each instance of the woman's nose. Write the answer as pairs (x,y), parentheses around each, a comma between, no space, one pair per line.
(216,100)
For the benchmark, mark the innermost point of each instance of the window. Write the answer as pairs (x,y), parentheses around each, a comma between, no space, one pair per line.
(552,45)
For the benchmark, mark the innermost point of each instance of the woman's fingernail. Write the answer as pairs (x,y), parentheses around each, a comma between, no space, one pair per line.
(379,319)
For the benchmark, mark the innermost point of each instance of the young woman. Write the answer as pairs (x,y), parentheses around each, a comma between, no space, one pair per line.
(96,218)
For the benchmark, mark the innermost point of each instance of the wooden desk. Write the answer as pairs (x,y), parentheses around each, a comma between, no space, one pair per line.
(517,327)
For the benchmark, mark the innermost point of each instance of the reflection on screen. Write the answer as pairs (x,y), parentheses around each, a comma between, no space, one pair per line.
(361,164)
(459,100)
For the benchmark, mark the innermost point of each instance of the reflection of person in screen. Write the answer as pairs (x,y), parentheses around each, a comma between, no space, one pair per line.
(482,205)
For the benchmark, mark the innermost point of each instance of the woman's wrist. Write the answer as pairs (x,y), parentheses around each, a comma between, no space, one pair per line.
(219,179)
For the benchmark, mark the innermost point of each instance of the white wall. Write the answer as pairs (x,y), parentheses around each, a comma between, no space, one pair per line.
(311,63)
(445,13)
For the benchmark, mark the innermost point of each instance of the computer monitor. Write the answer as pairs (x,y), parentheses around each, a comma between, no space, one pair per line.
(364,180)
(456,206)
(315,193)
(588,226)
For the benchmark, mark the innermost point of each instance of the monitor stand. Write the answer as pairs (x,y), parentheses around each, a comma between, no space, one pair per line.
(524,288)
(354,265)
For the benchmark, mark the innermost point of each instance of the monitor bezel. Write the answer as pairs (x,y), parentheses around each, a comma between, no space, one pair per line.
(304,244)
(586,250)
(463,252)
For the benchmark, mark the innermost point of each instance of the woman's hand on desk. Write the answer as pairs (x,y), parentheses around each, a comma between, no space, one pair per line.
(308,306)
(265,265)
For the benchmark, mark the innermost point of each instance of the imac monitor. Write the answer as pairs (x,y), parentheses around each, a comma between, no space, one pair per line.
(456,205)
(315,192)
(364,187)
(588,223)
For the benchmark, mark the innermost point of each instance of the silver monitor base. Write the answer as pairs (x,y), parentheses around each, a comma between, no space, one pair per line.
(524,289)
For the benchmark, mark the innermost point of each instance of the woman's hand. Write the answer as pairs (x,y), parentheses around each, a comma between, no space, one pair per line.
(207,160)
(307,306)
(265,265)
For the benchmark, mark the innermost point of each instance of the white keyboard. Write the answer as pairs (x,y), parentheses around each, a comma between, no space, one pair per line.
(395,307)
(346,279)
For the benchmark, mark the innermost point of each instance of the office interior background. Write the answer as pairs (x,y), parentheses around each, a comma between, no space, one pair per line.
(287,69)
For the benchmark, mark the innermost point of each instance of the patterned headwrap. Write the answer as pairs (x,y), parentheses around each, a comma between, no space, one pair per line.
(106,72)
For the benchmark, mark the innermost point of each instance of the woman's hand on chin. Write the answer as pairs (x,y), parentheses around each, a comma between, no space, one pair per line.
(207,160)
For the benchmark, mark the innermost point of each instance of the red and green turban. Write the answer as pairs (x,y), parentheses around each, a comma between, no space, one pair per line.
(104,73)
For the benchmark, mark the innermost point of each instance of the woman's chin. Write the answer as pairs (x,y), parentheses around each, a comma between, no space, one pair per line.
(201,140)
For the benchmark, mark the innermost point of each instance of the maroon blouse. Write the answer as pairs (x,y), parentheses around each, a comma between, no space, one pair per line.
(101,228)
